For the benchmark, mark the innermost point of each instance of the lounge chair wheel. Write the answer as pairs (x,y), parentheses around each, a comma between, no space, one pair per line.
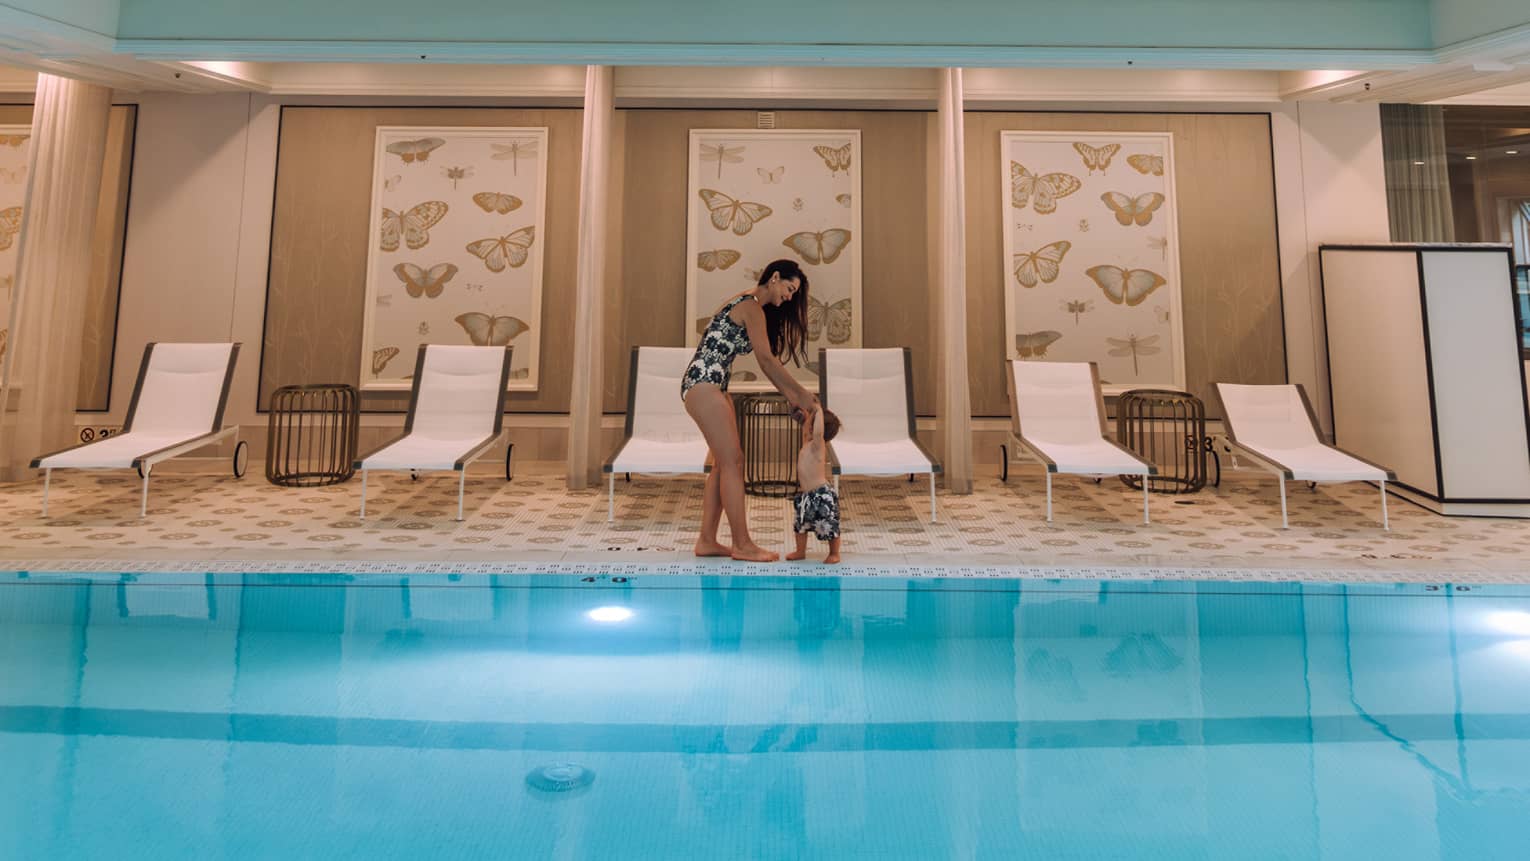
(414,475)
(1004,463)
(241,458)
(1312,486)
(629,476)
(508,449)
(1097,480)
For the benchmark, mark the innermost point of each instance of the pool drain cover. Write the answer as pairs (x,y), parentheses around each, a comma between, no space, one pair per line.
(560,777)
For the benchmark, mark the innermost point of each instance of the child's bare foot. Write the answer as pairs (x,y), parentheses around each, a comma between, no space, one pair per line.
(795,555)
(831,559)
(754,553)
(713,548)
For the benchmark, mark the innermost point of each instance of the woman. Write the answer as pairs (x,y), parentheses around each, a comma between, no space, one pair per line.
(770,321)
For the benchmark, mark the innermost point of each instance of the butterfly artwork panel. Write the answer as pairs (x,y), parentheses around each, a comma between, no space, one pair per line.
(758,195)
(1091,254)
(15,150)
(455,247)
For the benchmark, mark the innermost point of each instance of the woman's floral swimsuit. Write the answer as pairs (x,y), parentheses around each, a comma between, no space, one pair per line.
(721,343)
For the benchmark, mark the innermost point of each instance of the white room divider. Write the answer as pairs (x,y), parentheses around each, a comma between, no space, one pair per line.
(1426,372)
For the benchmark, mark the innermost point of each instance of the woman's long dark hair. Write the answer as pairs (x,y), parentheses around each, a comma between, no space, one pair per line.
(787,324)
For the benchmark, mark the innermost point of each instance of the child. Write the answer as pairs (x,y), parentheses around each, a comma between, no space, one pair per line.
(817,504)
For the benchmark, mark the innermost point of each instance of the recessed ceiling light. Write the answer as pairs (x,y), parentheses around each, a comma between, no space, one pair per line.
(1511,152)
(1471,158)
(1418,162)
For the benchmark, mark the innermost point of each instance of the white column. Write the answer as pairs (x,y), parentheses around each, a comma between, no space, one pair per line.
(41,372)
(587,390)
(953,400)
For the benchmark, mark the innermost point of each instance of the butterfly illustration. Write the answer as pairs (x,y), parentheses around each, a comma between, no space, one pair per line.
(836,318)
(1026,227)
(493,201)
(722,153)
(1044,263)
(1045,189)
(1159,244)
(771,177)
(513,152)
(836,159)
(1133,346)
(1129,209)
(815,247)
(1077,307)
(13,140)
(1033,345)
(422,282)
(487,331)
(413,224)
(392,182)
(797,204)
(10,225)
(842,200)
(13,174)
(1128,286)
(722,258)
(415,150)
(1146,164)
(511,249)
(728,212)
(423,329)
(1097,158)
(457,174)
(477,288)
(1083,225)
(381,358)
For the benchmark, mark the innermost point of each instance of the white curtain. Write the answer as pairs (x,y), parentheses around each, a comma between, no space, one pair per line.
(587,358)
(953,400)
(41,370)
(1418,181)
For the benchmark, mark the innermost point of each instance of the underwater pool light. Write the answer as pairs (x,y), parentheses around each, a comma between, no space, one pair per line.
(610,614)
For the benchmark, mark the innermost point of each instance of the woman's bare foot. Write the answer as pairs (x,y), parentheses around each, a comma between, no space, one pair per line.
(795,555)
(713,548)
(754,553)
(831,559)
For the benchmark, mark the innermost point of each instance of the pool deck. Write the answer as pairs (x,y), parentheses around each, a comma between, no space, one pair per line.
(199,520)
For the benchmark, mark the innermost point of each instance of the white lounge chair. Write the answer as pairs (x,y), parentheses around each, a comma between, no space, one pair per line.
(661,438)
(456,414)
(872,392)
(1274,426)
(1057,415)
(177,407)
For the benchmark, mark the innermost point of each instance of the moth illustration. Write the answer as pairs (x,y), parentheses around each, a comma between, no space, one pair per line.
(494,201)
(485,330)
(425,282)
(512,249)
(1125,286)
(722,258)
(413,225)
(1033,345)
(1041,265)
(415,150)
(1042,192)
(836,159)
(1146,164)
(730,213)
(1133,210)
(835,318)
(818,246)
(1097,158)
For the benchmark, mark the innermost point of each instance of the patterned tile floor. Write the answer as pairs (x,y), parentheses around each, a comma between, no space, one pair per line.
(208,522)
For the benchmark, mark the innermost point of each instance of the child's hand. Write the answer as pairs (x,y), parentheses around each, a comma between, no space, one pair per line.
(798,415)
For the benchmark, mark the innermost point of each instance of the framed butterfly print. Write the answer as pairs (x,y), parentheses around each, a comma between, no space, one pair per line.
(1091,254)
(455,255)
(757,195)
(14,150)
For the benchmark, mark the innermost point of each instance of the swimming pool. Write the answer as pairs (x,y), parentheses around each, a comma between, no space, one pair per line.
(303,716)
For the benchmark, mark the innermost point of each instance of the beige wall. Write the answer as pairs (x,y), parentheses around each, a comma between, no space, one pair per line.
(319,243)
(1229,263)
(105,250)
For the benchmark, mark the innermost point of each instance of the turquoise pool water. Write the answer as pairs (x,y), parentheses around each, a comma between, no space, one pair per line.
(304,716)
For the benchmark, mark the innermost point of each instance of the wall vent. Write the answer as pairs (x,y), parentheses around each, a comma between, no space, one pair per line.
(765,120)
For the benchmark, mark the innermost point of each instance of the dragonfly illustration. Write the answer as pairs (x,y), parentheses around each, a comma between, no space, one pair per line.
(1077,307)
(722,153)
(514,152)
(1134,346)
